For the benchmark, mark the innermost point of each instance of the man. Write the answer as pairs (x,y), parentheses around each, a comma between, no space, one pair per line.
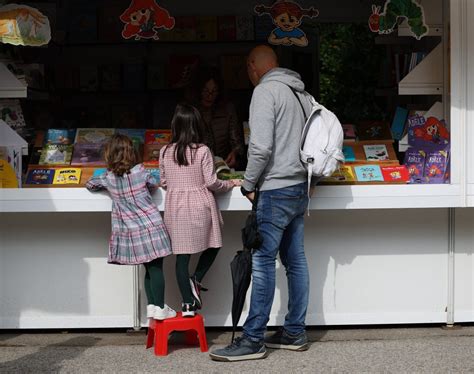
(274,167)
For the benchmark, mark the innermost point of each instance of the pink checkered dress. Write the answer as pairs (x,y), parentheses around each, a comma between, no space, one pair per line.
(138,232)
(192,217)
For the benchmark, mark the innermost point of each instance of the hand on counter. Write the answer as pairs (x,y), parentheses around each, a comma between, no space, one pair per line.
(236,182)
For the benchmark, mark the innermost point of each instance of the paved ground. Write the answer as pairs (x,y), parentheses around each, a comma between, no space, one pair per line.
(408,350)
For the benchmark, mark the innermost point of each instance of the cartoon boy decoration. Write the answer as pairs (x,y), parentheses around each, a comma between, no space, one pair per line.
(287,16)
(143,19)
(394,11)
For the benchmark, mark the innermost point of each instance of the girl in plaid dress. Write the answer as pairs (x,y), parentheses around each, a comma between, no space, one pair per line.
(192,217)
(138,233)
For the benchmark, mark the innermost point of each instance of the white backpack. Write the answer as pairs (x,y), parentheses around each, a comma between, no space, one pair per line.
(321,140)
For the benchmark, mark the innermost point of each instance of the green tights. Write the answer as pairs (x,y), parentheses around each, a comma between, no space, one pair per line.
(155,282)
(182,271)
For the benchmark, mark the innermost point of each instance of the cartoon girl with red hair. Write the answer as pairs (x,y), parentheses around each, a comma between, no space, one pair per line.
(287,17)
(143,18)
(433,131)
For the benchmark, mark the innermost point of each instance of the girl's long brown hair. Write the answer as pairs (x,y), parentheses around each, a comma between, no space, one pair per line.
(120,154)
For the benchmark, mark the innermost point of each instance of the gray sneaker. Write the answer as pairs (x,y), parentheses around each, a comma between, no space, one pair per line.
(283,340)
(241,349)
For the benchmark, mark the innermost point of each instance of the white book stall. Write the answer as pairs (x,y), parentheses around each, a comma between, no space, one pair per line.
(378,254)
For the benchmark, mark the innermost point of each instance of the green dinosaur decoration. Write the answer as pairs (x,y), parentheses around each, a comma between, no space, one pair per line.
(394,10)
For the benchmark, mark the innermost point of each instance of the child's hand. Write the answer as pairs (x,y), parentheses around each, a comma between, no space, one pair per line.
(236,182)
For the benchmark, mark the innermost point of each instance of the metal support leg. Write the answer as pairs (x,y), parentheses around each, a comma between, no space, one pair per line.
(451,269)
(136,298)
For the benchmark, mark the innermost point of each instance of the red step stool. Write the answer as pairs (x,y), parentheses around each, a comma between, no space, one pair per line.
(158,331)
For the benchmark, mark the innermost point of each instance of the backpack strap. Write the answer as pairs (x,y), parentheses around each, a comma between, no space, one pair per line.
(299,101)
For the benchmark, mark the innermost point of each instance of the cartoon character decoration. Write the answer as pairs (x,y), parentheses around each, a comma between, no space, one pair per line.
(394,10)
(433,131)
(287,17)
(143,19)
(23,25)
(434,171)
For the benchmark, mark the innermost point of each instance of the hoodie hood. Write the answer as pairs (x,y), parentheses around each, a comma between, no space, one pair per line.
(285,76)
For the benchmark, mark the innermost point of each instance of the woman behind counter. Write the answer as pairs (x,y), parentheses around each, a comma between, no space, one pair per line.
(224,133)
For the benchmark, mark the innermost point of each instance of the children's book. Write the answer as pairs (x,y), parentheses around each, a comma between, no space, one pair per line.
(244,28)
(435,166)
(60,136)
(99,172)
(343,174)
(415,163)
(56,154)
(221,166)
(137,135)
(427,132)
(373,130)
(397,174)
(35,156)
(40,176)
(157,136)
(398,123)
(206,28)
(94,135)
(376,152)
(155,173)
(226,28)
(151,153)
(11,113)
(368,173)
(349,132)
(349,154)
(67,176)
(87,155)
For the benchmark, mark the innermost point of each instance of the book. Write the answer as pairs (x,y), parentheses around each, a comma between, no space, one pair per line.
(373,130)
(110,77)
(99,172)
(226,28)
(56,154)
(137,135)
(427,132)
(157,136)
(221,166)
(343,174)
(11,113)
(151,153)
(244,28)
(60,136)
(435,166)
(40,176)
(368,173)
(155,173)
(398,123)
(67,176)
(415,163)
(397,174)
(206,28)
(349,132)
(184,29)
(88,154)
(349,154)
(93,135)
(35,156)
(376,152)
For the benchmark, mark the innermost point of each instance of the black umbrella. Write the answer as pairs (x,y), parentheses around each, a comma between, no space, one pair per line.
(241,265)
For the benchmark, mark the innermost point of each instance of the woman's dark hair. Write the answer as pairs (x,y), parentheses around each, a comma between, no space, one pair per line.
(204,75)
(120,154)
(187,132)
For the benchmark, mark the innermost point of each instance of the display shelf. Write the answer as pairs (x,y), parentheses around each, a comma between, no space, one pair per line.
(10,86)
(434,30)
(325,197)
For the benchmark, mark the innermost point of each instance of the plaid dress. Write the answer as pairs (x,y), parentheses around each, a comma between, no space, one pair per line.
(192,217)
(138,232)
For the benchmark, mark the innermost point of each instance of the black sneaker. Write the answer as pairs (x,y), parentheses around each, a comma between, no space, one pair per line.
(283,340)
(196,289)
(188,310)
(241,349)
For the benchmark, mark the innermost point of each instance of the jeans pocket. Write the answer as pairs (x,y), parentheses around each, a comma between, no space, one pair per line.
(284,209)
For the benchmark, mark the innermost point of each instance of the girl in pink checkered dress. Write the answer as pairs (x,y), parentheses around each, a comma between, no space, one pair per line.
(138,233)
(192,217)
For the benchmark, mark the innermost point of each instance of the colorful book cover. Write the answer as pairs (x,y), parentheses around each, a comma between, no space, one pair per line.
(155,173)
(40,176)
(415,163)
(395,173)
(56,154)
(110,77)
(67,176)
(435,166)
(99,172)
(226,28)
(137,135)
(344,174)
(11,113)
(60,136)
(93,135)
(8,178)
(157,136)
(206,28)
(368,173)
(349,154)
(398,123)
(151,153)
(87,155)
(349,132)
(244,28)
(376,152)
(426,132)
(373,130)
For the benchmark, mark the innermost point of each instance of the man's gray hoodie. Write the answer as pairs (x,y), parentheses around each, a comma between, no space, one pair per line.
(276,123)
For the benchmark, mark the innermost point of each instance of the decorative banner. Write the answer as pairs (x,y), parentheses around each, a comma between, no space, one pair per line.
(23,25)
(394,11)
(143,18)
(287,16)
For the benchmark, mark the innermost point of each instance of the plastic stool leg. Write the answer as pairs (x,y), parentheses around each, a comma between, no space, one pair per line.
(202,339)
(150,335)
(161,340)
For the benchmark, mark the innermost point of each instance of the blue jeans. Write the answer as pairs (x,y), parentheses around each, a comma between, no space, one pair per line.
(280,216)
